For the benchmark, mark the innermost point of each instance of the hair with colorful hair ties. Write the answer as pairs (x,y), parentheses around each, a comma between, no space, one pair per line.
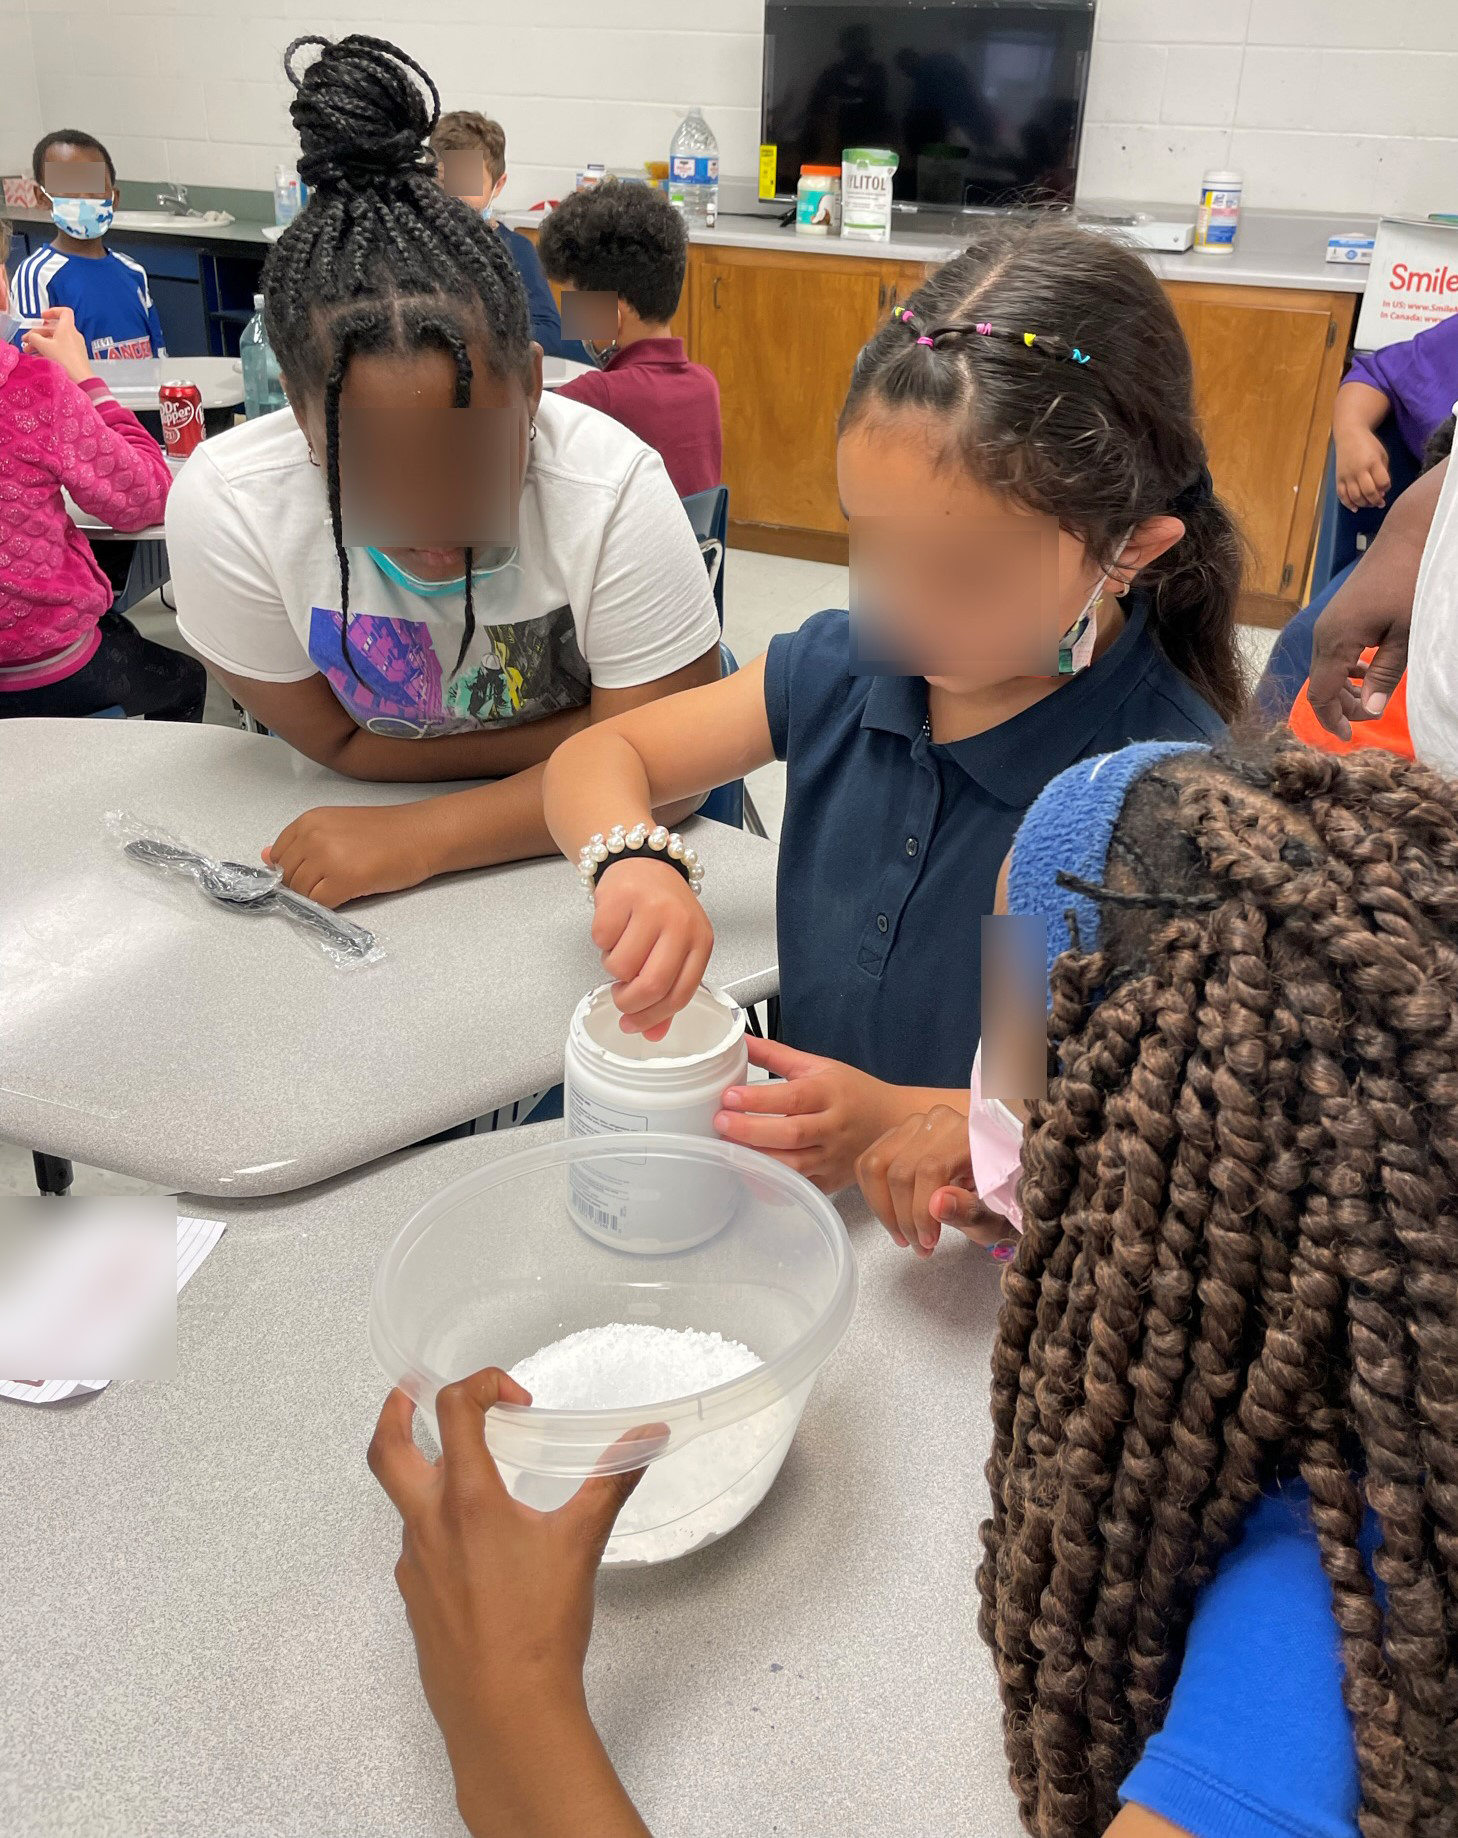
(1057,348)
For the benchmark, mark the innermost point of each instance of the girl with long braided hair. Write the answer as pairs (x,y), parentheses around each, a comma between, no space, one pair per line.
(1220,1578)
(425,568)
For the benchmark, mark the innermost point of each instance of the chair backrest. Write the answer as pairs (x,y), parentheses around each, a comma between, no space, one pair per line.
(708,515)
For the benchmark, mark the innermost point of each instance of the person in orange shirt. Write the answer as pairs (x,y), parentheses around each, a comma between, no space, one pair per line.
(1389,730)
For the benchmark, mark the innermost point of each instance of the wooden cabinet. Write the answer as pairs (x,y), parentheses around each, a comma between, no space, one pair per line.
(781,333)
(1268,362)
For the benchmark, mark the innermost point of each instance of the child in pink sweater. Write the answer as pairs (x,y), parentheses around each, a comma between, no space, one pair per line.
(62,650)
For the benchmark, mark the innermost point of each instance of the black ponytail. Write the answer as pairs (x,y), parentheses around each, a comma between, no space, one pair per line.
(1093,423)
(381,259)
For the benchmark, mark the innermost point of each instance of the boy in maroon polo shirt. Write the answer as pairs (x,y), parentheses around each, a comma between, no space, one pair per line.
(628,243)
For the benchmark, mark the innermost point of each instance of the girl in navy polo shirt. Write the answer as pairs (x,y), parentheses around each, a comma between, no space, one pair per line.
(1220,1575)
(1046,574)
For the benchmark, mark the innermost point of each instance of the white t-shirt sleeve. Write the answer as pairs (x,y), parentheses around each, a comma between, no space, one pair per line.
(651,610)
(229,607)
(1432,653)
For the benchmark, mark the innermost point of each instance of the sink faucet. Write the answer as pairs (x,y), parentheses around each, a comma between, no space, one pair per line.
(174,198)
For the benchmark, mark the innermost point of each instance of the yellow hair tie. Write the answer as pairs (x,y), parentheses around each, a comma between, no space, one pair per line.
(1028,337)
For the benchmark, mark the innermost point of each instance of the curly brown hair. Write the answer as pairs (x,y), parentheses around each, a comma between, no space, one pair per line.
(1239,1264)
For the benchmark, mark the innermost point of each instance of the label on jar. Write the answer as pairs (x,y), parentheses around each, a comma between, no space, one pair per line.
(815,207)
(590,1117)
(1219,219)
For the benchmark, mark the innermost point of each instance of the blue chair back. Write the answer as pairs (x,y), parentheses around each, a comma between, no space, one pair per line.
(149,571)
(726,805)
(1342,535)
(708,515)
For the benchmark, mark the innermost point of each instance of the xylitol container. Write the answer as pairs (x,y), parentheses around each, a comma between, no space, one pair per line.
(616,1082)
(865,193)
(1218,221)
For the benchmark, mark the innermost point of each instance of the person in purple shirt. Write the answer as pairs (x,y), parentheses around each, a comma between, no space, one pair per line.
(1416,382)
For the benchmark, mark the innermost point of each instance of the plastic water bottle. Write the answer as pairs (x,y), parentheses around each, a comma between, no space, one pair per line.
(693,171)
(262,388)
(288,194)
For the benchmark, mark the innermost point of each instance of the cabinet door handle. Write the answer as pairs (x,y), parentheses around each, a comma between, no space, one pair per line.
(881,299)
(716,293)
(894,292)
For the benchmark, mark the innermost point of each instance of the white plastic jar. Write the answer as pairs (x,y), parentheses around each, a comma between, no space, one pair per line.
(616,1082)
(1218,221)
(817,201)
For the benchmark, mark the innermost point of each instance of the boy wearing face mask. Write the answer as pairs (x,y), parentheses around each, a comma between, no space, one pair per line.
(107,292)
(471,149)
(626,246)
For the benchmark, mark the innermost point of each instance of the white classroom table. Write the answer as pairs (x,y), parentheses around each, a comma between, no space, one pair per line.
(203,1633)
(147,1030)
(134,381)
(559,370)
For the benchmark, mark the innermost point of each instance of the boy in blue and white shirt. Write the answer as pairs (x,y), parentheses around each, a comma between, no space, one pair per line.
(105,290)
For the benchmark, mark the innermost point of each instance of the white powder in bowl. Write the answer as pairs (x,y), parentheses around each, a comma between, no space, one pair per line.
(627,1363)
(696,1493)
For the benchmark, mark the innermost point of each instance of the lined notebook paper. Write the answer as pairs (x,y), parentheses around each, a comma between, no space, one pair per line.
(195,1238)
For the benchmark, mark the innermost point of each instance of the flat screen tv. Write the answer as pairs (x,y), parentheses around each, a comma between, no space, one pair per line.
(982,100)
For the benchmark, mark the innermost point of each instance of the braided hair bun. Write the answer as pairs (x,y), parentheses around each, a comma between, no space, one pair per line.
(362,120)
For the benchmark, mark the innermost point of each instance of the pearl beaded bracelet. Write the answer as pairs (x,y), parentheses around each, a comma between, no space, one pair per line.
(640,840)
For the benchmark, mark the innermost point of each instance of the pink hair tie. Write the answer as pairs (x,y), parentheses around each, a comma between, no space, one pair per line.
(985,329)
(928,342)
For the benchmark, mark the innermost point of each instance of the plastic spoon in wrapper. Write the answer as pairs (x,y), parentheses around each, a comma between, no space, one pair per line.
(259,889)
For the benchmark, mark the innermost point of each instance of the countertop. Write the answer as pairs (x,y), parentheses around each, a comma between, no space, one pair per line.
(188,230)
(1276,248)
(205,1636)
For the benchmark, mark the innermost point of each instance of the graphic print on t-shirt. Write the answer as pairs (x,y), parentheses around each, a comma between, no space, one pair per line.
(524,672)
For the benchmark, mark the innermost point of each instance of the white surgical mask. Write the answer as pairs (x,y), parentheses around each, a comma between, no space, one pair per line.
(83,218)
(995,1137)
(1076,647)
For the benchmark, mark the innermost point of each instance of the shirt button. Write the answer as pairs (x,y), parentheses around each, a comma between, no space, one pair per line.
(883,924)
(912,845)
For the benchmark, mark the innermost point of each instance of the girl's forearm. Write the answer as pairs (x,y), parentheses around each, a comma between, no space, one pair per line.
(546,1776)
(1359,408)
(489,753)
(492,824)
(592,782)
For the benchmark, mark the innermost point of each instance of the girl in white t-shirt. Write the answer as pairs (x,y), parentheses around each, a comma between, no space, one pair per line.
(425,569)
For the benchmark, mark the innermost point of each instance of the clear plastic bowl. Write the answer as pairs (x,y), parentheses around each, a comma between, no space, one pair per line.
(494,1267)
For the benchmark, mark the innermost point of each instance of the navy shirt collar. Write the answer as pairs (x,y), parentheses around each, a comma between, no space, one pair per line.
(1016,759)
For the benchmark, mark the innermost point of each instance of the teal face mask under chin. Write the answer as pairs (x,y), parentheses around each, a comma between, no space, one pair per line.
(434,590)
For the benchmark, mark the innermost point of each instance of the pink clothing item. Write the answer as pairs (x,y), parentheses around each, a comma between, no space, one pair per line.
(995,1138)
(57,434)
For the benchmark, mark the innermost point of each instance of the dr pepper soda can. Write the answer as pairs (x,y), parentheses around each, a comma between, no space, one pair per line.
(182,417)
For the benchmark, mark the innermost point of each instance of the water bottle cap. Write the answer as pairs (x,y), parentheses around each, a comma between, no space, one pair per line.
(258,303)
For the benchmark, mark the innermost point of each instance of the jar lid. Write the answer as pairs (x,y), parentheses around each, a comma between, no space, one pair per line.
(820,172)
